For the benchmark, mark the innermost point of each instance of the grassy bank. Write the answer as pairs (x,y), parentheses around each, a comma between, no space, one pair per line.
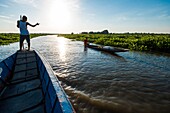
(132,41)
(7,38)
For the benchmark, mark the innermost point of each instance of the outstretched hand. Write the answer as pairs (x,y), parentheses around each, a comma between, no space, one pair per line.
(37,23)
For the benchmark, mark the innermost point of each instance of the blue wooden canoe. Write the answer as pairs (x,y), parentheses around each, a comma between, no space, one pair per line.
(28,84)
(108,49)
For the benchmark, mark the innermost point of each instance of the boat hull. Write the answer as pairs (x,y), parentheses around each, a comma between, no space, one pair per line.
(106,48)
(28,80)
(6,68)
(52,88)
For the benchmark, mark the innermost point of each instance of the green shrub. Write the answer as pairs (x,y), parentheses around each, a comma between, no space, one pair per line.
(137,41)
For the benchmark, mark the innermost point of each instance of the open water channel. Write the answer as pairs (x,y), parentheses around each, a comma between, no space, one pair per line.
(98,82)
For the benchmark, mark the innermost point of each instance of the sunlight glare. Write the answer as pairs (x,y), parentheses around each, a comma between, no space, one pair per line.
(59,14)
(62,49)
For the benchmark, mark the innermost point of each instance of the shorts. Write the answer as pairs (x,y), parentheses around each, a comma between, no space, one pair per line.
(23,37)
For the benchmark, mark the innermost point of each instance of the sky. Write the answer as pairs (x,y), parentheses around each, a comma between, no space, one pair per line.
(66,16)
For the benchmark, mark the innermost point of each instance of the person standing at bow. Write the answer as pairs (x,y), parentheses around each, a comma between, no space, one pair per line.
(24,33)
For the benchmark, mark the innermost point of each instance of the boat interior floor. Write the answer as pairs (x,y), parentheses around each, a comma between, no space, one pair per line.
(24,92)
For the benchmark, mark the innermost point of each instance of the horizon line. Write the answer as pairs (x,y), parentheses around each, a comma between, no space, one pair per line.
(94,32)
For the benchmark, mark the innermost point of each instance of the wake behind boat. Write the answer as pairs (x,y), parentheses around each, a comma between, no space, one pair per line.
(28,84)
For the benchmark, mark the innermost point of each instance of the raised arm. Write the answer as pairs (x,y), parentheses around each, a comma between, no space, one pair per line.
(18,23)
(32,25)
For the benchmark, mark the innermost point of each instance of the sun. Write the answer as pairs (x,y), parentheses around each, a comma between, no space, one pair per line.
(58,13)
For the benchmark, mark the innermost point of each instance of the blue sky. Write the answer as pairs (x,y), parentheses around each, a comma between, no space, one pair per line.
(66,16)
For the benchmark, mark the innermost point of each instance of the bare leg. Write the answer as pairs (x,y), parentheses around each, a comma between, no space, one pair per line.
(28,46)
(28,41)
(23,45)
(20,44)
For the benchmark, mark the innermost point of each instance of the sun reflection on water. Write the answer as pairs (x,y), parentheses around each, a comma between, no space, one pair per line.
(62,49)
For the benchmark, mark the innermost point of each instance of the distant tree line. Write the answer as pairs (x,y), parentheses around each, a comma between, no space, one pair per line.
(91,32)
(126,33)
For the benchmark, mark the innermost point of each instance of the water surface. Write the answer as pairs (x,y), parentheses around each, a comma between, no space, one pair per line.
(98,82)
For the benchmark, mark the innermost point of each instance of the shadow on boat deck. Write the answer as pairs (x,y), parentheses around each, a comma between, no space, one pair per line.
(24,91)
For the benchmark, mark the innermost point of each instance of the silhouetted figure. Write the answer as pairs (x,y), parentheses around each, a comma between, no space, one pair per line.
(24,33)
(85,42)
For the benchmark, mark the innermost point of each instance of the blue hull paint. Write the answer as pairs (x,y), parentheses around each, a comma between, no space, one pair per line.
(6,68)
(54,94)
(55,98)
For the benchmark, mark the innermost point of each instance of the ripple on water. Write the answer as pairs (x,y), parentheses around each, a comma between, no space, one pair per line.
(97,82)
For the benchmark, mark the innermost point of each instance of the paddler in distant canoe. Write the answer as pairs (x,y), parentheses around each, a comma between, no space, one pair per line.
(85,42)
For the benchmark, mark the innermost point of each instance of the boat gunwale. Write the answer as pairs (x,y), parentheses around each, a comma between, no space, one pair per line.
(10,67)
(65,104)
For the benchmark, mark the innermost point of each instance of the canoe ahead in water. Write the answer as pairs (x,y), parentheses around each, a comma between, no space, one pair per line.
(28,84)
(106,48)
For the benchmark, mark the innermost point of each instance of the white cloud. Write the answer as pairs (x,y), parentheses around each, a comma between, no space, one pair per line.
(4,17)
(24,1)
(92,14)
(122,18)
(4,5)
(164,15)
(27,2)
(8,21)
